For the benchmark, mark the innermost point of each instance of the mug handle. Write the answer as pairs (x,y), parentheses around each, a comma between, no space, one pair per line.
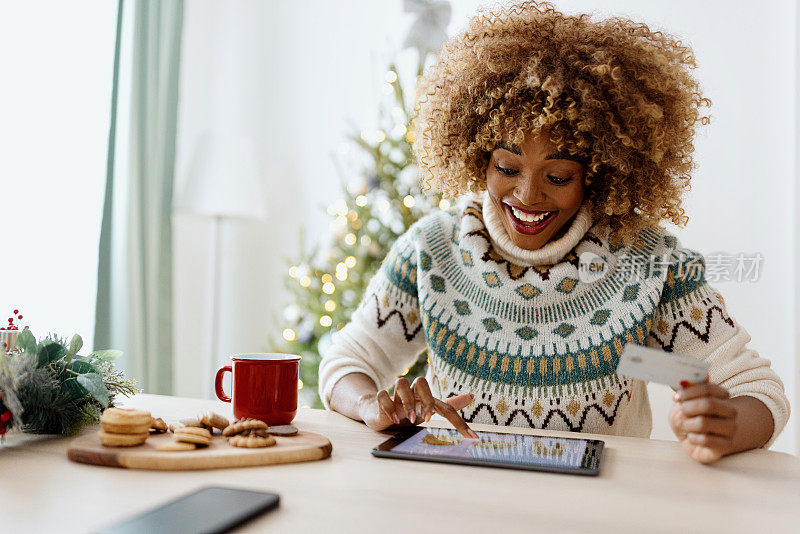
(218,383)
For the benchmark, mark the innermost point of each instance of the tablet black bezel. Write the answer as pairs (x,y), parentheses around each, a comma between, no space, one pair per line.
(590,463)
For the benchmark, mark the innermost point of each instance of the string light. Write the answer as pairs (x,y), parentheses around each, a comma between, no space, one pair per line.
(350,239)
(328,288)
(388,89)
(330,306)
(391,76)
(356,225)
(325,321)
(366,240)
(350,261)
(305,281)
(384,205)
(293,271)
(404,373)
(380,136)
(399,130)
(361,201)
(352,215)
(341,272)
(299,384)
(326,278)
(409,201)
(444,204)
(289,335)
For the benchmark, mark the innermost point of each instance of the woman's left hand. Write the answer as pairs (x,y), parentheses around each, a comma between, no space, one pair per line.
(704,420)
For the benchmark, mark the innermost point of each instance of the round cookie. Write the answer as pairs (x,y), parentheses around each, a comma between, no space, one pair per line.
(283,430)
(110,439)
(125,421)
(239,426)
(190,434)
(176,446)
(261,432)
(251,442)
(214,420)
(196,423)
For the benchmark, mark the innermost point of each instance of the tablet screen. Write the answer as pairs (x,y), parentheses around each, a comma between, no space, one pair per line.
(495,448)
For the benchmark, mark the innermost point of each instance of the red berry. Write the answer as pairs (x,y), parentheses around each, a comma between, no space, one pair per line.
(16,312)
(19,317)
(10,319)
(2,430)
(5,417)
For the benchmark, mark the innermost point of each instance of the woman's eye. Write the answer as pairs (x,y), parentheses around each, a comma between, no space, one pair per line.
(558,180)
(507,172)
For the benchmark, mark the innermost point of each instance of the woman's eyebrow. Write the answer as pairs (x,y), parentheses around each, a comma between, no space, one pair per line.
(512,149)
(562,155)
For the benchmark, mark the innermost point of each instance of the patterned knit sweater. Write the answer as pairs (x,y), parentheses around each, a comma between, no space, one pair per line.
(532,339)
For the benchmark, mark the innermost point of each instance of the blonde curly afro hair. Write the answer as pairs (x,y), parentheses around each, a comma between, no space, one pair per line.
(612,92)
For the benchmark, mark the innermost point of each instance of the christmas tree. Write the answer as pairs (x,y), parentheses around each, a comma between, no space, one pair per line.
(326,283)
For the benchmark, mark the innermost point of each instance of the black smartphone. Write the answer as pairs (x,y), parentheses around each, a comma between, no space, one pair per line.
(577,456)
(207,510)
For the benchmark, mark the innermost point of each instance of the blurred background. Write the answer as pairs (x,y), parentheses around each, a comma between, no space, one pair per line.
(245,118)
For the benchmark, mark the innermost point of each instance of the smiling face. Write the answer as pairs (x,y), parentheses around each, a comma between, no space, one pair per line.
(536,189)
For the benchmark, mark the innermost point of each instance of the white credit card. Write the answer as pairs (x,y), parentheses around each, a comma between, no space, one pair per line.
(663,367)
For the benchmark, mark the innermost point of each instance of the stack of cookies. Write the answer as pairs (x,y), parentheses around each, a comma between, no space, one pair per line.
(124,427)
(190,434)
(248,433)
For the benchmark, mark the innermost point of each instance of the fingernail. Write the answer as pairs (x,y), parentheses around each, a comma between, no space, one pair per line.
(411,416)
(396,419)
(428,418)
(684,384)
(676,397)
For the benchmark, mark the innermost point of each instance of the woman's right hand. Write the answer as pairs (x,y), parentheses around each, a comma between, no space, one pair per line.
(412,404)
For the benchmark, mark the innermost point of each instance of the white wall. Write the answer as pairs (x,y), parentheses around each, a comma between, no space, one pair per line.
(55,98)
(291,74)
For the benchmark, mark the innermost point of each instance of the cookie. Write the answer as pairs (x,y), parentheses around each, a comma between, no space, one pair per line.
(283,430)
(174,426)
(239,426)
(195,422)
(158,426)
(214,420)
(176,446)
(125,421)
(251,442)
(261,432)
(190,434)
(110,439)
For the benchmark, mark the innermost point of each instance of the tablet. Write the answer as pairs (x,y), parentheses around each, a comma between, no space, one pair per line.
(539,453)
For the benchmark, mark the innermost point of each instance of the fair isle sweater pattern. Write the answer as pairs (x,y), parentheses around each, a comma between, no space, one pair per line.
(536,345)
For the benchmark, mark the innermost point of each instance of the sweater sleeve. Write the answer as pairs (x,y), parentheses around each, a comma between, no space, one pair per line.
(692,319)
(384,335)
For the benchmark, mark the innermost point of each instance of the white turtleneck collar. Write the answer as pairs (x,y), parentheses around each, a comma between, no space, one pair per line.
(550,253)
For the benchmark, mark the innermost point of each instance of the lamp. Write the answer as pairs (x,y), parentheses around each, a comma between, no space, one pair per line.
(223,182)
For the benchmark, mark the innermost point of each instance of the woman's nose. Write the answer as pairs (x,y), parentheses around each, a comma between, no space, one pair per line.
(528,191)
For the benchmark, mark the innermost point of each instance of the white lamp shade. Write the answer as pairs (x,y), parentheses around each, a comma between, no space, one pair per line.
(224,179)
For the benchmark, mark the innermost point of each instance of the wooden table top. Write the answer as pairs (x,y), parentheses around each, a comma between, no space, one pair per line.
(643,486)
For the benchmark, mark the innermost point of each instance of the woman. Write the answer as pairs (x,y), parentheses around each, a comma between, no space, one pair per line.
(574,138)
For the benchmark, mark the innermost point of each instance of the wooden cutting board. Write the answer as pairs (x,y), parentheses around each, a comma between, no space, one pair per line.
(303,447)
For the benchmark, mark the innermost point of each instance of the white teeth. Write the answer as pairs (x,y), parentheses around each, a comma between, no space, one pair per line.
(528,217)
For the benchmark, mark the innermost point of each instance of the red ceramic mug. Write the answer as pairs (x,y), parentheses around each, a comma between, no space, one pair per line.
(264,386)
